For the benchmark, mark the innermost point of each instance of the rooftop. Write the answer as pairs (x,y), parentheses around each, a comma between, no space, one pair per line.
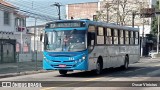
(7,4)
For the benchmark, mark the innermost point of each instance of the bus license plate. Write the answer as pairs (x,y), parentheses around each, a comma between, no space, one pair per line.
(62,65)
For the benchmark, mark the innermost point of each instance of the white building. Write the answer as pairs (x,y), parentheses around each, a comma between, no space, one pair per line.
(13,36)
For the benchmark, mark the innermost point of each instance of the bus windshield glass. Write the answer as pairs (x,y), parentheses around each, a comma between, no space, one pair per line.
(67,40)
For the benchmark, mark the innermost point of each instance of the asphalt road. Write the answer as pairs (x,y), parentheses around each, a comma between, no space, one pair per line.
(145,70)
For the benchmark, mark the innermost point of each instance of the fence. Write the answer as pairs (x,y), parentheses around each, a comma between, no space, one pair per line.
(24,63)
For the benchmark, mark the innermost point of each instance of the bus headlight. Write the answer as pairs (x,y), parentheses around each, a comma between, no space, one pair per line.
(44,58)
(84,57)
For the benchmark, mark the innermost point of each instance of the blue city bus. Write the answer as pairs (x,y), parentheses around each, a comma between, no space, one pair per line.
(89,46)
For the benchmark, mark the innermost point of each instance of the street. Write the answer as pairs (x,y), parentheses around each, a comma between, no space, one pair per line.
(144,70)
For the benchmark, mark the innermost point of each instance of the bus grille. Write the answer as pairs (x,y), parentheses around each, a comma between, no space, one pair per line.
(64,61)
(67,66)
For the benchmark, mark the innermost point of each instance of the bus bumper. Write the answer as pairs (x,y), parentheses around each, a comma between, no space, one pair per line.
(55,66)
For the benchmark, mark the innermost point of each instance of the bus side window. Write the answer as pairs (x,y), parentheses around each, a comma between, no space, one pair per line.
(108,36)
(121,37)
(100,36)
(127,37)
(115,36)
(91,37)
(136,38)
(131,38)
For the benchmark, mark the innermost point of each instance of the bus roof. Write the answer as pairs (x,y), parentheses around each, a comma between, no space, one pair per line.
(97,23)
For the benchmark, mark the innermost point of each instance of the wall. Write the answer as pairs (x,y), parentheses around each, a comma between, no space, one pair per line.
(82,10)
(6,28)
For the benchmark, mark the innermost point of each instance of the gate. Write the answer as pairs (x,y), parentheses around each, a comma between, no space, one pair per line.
(8,51)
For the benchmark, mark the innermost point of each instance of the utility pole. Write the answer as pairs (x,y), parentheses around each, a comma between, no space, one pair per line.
(59,8)
(35,51)
(107,5)
(158,32)
(142,40)
(21,35)
(117,12)
(133,17)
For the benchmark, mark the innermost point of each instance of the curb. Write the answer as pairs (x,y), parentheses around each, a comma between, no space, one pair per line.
(23,73)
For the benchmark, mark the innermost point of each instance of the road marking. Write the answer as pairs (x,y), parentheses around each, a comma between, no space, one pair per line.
(157,65)
(71,83)
(93,79)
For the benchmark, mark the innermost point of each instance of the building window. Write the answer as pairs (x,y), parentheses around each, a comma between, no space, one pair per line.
(100,35)
(20,24)
(6,18)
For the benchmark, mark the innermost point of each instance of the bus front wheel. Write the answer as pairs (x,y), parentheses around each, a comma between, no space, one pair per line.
(98,68)
(63,72)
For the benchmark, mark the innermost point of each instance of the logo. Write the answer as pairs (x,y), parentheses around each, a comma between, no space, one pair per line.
(6,84)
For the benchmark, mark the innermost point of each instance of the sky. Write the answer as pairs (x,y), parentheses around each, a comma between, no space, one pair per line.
(43,7)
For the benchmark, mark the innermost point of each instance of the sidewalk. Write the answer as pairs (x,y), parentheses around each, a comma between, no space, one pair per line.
(21,68)
(25,68)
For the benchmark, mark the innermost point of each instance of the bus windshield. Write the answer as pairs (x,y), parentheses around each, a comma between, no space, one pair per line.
(67,40)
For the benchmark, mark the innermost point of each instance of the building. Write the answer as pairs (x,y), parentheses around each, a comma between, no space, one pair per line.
(109,9)
(82,10)
(13,37)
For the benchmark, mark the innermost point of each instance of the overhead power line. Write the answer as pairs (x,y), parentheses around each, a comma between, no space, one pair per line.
(37,6)
(26,6)
(31,14)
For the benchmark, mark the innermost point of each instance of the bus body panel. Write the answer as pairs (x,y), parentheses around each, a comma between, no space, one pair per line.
(113,55)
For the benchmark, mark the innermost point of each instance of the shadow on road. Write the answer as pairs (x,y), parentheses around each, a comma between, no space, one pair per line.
(116,72)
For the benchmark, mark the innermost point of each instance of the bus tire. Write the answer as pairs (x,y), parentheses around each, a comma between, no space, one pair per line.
(98,67)
(63,72)
(126,63)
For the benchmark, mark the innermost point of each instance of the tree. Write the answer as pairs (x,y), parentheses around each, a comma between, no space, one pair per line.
(119,11)
(154,25)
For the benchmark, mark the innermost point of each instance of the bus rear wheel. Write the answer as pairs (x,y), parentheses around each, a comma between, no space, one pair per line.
(126,63)
(63,72)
